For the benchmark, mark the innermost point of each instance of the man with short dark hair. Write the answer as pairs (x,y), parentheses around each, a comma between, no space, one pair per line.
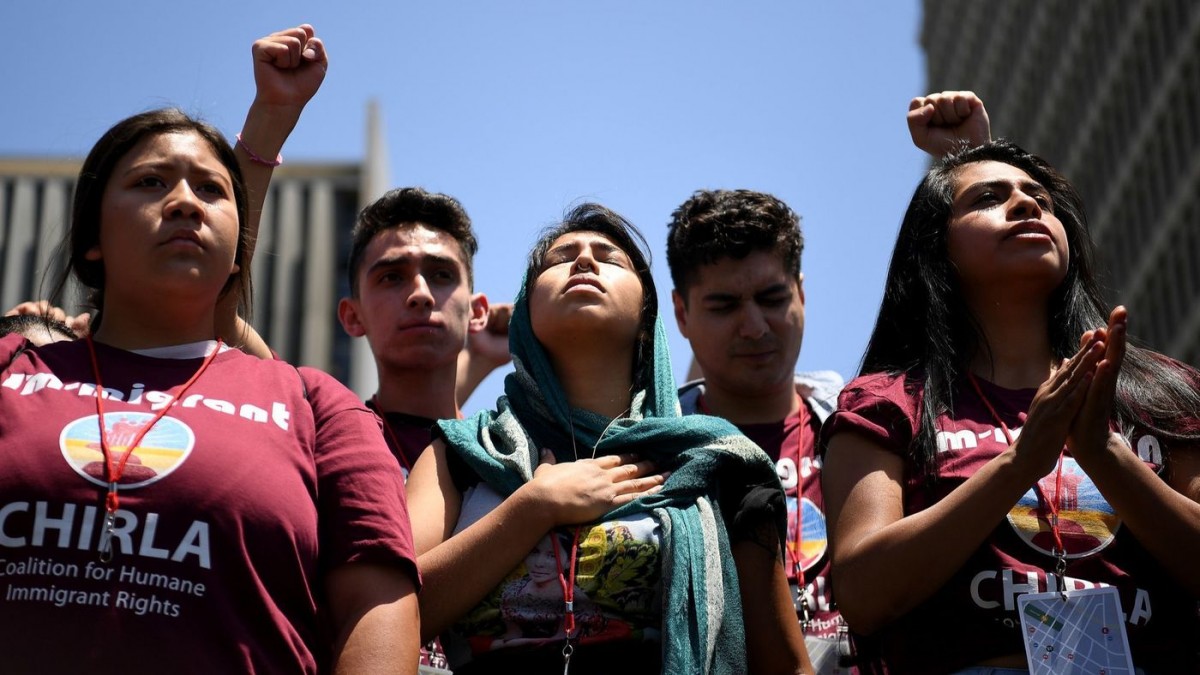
(739,300)
(411,297)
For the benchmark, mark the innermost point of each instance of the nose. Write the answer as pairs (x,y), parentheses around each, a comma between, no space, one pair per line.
(584,262)
(420,297)
(753,324)
(1025,205)
(182,202)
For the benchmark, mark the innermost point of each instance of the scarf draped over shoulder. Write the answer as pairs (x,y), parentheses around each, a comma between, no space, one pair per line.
(709,458)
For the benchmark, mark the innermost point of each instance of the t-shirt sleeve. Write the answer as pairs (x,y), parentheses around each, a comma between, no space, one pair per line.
(10,345)
(362,514)
(878,407)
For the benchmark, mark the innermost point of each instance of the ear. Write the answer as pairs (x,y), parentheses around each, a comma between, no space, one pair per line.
(348,315)
(93,254)
(800,286)
(680,312)
(479,313)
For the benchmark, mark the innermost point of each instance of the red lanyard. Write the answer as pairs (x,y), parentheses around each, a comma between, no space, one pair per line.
(113,474)
(391,435)
(803,597)
(567,583)
(1060,551)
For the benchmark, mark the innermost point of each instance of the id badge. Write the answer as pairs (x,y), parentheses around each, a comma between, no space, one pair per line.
(1085,633)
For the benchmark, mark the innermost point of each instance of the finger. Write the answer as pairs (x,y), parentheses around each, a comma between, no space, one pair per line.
(626,497)
(613,461)
(962,105)
(1085,339)
(634,470)
(916,104)
(919,118)
(947,113)
(314,51)
(641,484)
(282,52)
(23,308)
(547,457)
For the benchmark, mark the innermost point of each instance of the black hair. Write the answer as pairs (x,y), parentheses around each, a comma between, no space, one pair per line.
(926,331)
(28,324)
(590,217)
(715,224)
(410,206)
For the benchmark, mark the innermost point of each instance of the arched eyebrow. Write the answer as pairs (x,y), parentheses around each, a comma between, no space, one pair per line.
(405,259)
(1027,186)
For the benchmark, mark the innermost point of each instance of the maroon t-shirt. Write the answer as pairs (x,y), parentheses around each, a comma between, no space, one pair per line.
(407,436)
(790,444)
(232,511)
(973,616)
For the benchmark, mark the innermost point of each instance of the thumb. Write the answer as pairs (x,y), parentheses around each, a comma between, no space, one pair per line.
(547,458)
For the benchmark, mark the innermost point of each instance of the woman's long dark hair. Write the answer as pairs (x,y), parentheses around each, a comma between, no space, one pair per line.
(926,331)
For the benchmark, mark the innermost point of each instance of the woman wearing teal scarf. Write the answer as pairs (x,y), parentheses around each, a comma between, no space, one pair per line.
(665,531)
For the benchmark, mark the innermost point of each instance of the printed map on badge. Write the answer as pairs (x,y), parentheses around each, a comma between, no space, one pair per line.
(1084,634)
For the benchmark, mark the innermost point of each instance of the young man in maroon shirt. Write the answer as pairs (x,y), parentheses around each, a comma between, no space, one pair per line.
(433,339)
(739,300)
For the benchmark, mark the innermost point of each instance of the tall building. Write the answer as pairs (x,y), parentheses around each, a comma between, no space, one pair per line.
(1108,91)
(299,267)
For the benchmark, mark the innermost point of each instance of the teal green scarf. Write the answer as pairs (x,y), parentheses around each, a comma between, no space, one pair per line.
(702,625)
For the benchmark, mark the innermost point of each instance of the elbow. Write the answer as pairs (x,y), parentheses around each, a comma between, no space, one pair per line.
(863,605)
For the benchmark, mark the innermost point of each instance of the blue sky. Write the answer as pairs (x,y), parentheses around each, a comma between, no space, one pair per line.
(523,109)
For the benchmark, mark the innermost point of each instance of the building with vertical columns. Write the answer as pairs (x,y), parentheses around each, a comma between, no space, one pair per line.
(299,266)
(1109,92)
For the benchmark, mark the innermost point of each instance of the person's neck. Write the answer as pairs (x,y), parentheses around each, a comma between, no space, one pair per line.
(420,392)
(594,381)
(773,406)
(1017,354)
(132,326)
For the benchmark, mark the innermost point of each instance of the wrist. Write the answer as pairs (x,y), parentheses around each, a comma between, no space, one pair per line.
(529,506)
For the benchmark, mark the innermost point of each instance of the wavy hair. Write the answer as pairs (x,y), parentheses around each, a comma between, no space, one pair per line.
(926,331)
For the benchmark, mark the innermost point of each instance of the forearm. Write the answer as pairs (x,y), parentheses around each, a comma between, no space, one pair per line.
(1165,522)
(890,571)
(383,640)
(264,132)
(469,374)
(774,642)
(461,570)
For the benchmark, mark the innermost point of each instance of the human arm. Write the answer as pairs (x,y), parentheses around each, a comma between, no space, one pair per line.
(774,641)
(885,563)
(374,612)
(486,350)
(946,121)
(1164,515)
(459,570)
(289,67)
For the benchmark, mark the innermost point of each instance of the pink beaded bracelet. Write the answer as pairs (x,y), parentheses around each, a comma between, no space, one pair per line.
(255,158)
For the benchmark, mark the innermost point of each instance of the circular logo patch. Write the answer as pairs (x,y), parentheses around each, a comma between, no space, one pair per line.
(164,448)
(1086,521)
(813,540)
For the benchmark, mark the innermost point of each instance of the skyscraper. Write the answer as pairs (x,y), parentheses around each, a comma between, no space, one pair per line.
(1109,92)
